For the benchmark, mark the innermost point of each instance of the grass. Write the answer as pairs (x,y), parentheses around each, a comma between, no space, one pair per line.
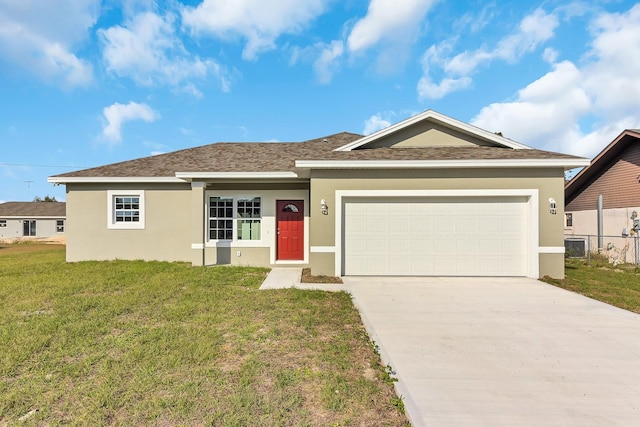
(140,343)
(619,286)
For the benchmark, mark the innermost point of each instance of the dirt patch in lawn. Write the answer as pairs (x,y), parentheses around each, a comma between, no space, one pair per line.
(307,277)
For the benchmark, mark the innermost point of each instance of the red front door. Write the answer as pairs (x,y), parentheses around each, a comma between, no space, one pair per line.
(290,223)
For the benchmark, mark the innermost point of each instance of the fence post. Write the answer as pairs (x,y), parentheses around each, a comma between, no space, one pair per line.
(589,249)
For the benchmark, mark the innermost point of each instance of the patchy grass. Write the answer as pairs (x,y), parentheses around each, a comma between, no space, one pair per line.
(308,278)
(613,285)
(154,343)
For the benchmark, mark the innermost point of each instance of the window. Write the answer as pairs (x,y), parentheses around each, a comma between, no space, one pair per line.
(244,212)
(3,222)
(60,226)
(220,218)
(249,218)
(126,209)
(568,220)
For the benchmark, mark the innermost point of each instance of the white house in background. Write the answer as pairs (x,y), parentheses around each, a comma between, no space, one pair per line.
(32,219)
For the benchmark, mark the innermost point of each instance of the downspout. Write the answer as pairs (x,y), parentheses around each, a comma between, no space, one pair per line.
(600,218)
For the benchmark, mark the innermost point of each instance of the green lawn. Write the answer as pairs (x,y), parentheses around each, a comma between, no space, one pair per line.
(153,343)
(616,286)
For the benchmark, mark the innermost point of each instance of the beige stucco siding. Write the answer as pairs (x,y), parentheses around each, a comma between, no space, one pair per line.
(427,134)
(167,232)
(549,183)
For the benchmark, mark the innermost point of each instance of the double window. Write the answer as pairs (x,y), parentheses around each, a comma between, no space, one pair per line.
(3,222)
(235,218)
(60,226)
(126,209)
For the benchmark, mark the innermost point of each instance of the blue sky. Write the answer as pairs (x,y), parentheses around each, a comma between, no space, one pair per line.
(87,82)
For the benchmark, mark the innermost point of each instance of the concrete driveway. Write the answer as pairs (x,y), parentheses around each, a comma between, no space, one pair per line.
(503,351)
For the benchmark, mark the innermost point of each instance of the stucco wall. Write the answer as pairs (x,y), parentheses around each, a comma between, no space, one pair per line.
(548,182)
(175,225)
(613,221)
(166,236)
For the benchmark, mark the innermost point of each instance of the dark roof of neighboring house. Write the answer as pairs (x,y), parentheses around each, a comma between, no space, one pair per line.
(33,209)
(281,156)
(600,162)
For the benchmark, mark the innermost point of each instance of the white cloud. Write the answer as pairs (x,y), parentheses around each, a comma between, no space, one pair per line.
(532,31)
(42,39)
(117,114)
(147,50)
(612,74)
(605,90)
(427,89)
(327,62)
(545,112)
(550,55)
(374,124)
(259,22)
(388,19)
(391,27)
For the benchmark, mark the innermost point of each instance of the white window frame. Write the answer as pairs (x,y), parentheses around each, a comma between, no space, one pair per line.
(3,223)
(236,219)
(60,227)
(111,218)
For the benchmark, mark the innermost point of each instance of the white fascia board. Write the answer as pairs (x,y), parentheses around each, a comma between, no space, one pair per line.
(430,114)
(440,164)
(247,175)
(115,179)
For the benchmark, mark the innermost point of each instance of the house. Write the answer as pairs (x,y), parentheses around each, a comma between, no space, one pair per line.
(427,196)
(613,174)
(32,219)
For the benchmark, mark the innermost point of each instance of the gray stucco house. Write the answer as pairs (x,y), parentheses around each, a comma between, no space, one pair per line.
(32,219)
(427,196)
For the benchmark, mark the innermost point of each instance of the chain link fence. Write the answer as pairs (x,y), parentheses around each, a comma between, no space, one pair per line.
(615,249)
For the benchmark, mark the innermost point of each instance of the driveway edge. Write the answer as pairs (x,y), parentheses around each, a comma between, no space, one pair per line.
(410,408)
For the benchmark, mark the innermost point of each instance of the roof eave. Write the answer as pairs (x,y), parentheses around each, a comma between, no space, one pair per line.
(112,179)
(190,176)
(442,164)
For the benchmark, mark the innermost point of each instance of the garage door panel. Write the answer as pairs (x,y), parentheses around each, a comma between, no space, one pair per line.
(425,236)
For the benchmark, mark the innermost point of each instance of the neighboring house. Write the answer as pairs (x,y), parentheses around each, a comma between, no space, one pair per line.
(428,196)
(615,175)
(32,219)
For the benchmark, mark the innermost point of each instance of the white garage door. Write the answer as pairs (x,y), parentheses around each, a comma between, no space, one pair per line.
(466,236)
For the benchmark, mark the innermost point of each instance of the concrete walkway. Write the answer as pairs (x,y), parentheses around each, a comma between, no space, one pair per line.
(282,278)
(503,352)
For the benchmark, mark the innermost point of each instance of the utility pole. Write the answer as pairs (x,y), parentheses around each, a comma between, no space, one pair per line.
(29,186)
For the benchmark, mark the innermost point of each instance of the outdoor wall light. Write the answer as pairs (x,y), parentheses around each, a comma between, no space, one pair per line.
(324,207)
(552,206)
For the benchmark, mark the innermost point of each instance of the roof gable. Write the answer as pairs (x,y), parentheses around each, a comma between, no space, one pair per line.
(431,129)
(614,173)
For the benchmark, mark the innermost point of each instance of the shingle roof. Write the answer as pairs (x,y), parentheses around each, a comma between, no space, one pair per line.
(33,209)
(281,156)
